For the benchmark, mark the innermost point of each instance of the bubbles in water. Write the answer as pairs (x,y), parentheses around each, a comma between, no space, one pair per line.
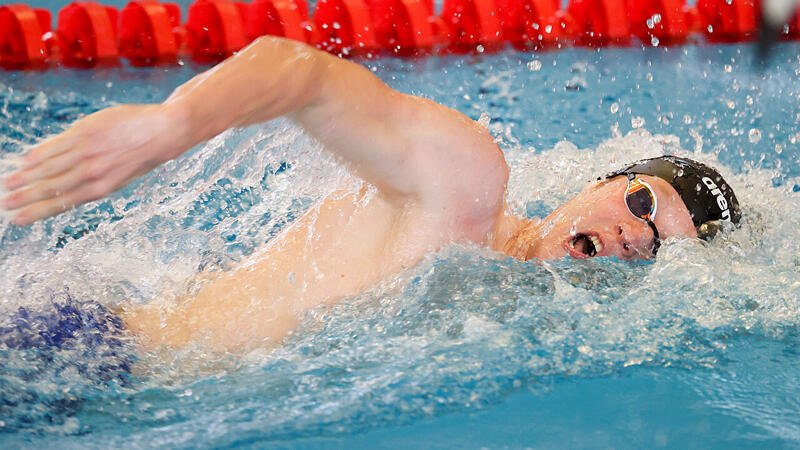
(731,104)
(654,41)
(614,108)
(637,122)
(687,119)
(534,65)
(754,135)
(728,68)
(778,148)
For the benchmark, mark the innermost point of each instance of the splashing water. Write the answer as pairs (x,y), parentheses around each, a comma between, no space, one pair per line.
(461,331)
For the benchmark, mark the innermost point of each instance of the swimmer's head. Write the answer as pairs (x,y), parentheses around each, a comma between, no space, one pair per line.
(629,212)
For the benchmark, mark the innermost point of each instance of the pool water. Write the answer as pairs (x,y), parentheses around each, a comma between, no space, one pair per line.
(468,349)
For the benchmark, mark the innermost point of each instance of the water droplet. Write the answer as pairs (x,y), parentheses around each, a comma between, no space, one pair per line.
(754,135)
(778,148)
(710,29)
(614,107)
(649,76)
(687,119)
(548,29)
(336,26)
(656,18)
(484,120)
(728,68)
(654,41)
(535,65)
(731,104)
(480,49)
(650,24)
(749,100)
(637,122)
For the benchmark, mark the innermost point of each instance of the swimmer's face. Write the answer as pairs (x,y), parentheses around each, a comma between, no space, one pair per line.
(597,222)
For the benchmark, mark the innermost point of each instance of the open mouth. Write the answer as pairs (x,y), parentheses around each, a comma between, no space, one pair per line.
(584,245)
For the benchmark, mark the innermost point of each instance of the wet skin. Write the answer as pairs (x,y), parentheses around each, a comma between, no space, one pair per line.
(433,177)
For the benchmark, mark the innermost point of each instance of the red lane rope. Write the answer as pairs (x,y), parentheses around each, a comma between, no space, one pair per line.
(149,32)
(21,42)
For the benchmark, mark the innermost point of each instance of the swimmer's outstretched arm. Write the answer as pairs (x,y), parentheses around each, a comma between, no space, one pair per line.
(409,147)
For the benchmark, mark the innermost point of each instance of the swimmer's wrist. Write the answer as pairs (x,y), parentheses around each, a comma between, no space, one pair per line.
(179,118)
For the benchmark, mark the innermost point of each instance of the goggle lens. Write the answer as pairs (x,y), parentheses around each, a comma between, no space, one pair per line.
(642,203)
(640,199)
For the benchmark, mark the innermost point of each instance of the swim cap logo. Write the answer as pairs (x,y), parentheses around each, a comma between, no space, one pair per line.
(721,202)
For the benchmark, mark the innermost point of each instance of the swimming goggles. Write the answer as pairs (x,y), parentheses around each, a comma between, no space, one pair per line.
(642,202)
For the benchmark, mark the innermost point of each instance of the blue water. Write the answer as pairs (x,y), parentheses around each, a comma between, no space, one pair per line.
(468,349)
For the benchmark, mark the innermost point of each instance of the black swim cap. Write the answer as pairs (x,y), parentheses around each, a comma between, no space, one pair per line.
(708,198)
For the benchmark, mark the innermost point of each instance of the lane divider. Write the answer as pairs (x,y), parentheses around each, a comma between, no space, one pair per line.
(87,34)
(22,36)
(150,32)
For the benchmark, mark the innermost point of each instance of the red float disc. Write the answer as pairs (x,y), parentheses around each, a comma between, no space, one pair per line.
(21,43)
(287,18)
(601,22)
(664,20)
(342,26)
(728,22)
(147,33)
(402,26)
(794,28)
(87,34)
(528,23)
(472,22)
(215,29)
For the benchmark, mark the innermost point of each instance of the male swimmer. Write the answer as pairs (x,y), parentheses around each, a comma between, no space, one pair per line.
(439,178)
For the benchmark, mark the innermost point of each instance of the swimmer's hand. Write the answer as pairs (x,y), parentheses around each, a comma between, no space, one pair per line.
(96,156)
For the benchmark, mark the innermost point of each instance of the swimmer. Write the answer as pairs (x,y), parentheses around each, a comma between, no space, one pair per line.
(438,178)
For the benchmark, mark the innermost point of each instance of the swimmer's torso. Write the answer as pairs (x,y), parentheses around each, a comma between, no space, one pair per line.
(339,247)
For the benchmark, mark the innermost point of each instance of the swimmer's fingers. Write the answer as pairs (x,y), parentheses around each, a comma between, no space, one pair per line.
(104,174)
(42,206)
(47,169)
(52,147)
(42,190)
(92,129)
